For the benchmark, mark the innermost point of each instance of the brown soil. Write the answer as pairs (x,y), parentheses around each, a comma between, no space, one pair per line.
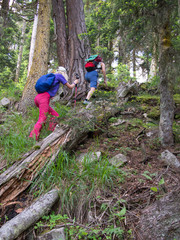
(143,154)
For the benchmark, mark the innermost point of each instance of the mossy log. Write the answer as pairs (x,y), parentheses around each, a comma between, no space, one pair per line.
(19,176)
(13,228)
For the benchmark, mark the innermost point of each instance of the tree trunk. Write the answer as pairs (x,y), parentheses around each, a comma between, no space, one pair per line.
(60,30)
(4,11)
(33,39)
(134,62)
(154,61)
(121,50)
(166,82)
(40,59)
(20,52)
(72,47)
(78,46)
(13,228)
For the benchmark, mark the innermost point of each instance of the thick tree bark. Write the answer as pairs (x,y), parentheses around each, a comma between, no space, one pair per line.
(60,29)
(13,228)
(166,81)
(40,59)
(78,45)
(72,46)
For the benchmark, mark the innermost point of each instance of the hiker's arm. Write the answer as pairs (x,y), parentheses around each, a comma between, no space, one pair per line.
(72,85)
(104,72)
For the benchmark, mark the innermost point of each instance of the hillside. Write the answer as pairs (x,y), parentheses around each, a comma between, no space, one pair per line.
(114,196)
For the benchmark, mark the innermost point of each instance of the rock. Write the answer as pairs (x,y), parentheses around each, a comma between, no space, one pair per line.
(90,156)
(170,159)
(55,234)
(118,160)
(5,102)
(125,89)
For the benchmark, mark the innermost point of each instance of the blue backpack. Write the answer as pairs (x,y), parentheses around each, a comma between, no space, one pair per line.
(44,83)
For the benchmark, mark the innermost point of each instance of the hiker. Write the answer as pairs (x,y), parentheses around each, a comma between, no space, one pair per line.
(93,65)
(42,101)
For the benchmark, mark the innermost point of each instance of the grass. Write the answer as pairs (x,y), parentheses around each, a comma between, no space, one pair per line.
(14,138)
(80,184)
(16,128)
(77,180)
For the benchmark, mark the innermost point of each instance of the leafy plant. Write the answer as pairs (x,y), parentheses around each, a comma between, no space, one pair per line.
(148,175)
(161,182)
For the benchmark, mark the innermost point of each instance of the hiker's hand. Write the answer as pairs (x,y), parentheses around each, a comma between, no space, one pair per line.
(77,75)
(76,81)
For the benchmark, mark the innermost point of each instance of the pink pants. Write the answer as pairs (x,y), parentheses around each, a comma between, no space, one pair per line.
(42,102)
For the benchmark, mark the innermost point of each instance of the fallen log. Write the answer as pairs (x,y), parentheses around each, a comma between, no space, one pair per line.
(13,228)
(19,176)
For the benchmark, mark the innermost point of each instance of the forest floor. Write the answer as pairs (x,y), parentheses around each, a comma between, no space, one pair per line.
(147,180)
(145,172)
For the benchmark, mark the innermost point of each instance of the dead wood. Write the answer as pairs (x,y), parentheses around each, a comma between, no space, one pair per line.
(13,228)
(19,176)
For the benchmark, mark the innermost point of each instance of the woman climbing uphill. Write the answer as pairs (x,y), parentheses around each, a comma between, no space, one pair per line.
(43,98)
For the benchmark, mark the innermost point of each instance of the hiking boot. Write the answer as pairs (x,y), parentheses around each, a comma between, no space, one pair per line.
(86,102)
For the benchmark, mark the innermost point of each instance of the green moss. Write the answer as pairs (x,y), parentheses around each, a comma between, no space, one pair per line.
(177,98)
(148,99)
(144,108)
(176,132)
(154,113)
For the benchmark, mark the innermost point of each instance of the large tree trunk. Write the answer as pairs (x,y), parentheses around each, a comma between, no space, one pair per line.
(40,59)
(166,81)
(78,46)
(72,47)
(60,29)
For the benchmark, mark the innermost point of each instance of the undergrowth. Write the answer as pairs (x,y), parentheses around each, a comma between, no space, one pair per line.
(82,185)
(16,128)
